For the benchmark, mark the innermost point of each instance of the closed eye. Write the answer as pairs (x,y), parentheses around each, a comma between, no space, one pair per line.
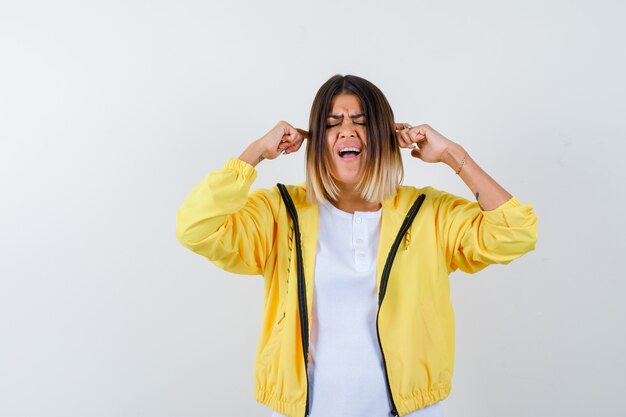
(339,117)
(356,123)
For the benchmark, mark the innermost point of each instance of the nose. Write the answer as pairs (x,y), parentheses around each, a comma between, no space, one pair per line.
(347,129)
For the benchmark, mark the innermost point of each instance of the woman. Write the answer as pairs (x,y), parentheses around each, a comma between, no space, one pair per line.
(357,317)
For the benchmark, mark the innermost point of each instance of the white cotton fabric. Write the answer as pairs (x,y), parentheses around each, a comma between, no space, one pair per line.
(346,376)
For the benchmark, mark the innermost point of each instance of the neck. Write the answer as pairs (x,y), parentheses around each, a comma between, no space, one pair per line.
(350,201)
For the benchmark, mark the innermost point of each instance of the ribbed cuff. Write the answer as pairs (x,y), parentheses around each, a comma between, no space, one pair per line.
(511,214)
(512,202)
(244,170)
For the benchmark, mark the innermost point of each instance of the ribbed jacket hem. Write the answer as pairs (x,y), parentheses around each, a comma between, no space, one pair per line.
(421,399)
(406,405)
(274,402)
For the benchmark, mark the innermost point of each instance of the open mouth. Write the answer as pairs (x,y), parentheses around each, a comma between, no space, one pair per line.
(349,152)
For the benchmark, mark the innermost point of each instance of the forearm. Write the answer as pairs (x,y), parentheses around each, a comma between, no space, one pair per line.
(253,153)
(485,189)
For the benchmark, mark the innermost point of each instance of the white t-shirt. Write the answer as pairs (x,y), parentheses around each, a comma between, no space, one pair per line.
(346,370)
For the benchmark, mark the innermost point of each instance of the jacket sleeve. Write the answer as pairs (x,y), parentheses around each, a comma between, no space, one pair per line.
(473,238)
(224,222)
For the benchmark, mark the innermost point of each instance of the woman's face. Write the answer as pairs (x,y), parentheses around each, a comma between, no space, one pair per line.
(345,138)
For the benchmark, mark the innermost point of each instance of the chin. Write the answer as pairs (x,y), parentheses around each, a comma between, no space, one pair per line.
(348,179)
(348,173)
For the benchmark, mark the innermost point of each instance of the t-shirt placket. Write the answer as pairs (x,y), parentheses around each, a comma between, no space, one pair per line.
(359,242)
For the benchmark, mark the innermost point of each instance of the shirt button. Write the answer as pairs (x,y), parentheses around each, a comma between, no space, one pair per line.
(357,220)
(359,241)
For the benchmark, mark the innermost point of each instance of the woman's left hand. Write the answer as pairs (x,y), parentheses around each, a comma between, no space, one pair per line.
(427,144)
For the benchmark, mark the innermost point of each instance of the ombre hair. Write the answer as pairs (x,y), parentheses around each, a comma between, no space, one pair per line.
(383,170)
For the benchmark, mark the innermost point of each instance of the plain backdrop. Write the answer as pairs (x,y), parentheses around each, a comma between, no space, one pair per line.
(112,111)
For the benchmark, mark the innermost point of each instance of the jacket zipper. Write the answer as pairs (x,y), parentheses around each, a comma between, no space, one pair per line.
(302,305)
(383,286)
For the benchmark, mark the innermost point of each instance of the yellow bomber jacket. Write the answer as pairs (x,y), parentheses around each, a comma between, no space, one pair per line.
(251,232)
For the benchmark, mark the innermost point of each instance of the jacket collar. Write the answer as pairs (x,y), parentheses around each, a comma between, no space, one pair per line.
(391,219)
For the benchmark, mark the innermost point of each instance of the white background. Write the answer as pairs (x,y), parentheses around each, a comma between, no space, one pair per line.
(110,113)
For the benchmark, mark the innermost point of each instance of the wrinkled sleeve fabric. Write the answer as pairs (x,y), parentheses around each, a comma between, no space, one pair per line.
(223,221)
(472,238)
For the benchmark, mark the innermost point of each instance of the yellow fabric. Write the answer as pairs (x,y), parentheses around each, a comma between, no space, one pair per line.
(249,232)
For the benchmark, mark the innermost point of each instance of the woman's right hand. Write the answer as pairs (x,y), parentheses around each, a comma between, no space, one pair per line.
(282,138)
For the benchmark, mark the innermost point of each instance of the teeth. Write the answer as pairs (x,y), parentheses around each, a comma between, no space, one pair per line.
(343,151)
(350,149)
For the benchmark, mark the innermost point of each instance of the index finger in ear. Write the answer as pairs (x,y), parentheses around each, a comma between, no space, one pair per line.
(399,126)
(303,132)
(292,135)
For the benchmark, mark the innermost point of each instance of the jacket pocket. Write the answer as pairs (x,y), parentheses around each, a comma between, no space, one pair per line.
(268,353)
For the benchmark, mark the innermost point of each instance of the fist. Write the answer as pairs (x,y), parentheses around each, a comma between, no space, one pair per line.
(283,138)
(426,143)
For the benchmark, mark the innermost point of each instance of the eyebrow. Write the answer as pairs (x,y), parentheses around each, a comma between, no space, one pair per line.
(340,116)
